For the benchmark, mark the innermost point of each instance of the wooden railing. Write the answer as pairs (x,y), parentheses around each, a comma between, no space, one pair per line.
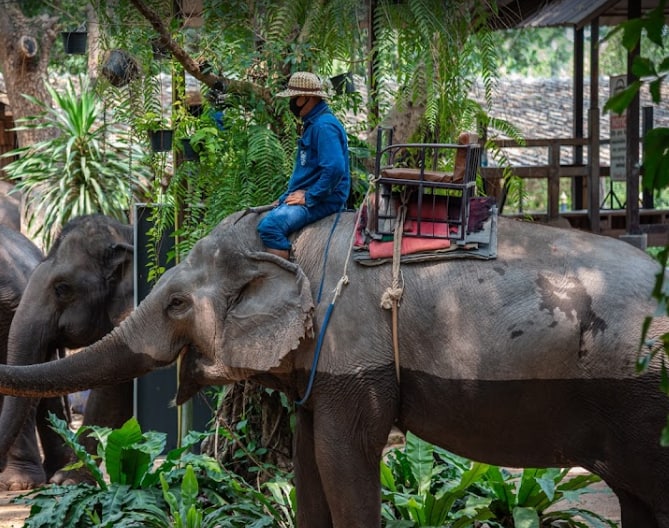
(552,171)
(607,221)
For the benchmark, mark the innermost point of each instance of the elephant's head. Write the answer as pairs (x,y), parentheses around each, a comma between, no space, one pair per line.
(230,308)
(76,295)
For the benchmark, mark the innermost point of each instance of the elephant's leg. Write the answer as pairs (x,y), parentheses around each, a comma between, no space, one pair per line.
(107,407)
(349,469)
(312,506)
(635,513)
(24,469)
(351,428)
(56,453)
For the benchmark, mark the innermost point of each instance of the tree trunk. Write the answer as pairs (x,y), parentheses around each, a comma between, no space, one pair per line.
(25,46)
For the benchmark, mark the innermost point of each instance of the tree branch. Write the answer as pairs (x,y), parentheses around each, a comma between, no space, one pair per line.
(192,67)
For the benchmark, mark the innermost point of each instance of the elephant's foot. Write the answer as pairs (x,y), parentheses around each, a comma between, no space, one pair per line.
(21,476)
(71,477)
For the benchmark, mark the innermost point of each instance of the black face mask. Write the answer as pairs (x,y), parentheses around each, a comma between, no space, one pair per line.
(294,107)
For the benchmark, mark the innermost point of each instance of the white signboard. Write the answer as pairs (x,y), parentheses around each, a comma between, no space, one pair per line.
(618,133)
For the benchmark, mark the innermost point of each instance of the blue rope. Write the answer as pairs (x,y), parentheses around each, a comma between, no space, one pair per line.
(317,354)
(326,319)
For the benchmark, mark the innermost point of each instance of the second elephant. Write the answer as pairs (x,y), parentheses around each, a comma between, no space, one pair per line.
(76,295)
(18,258)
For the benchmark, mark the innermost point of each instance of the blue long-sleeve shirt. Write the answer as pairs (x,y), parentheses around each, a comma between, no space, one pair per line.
(321,165)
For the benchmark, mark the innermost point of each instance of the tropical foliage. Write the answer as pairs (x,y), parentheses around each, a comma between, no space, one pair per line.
(422,486)
(146,488)
(90,166)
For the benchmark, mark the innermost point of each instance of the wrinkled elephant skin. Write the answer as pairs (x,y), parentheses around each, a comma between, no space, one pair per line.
(10,206)
(77,294)
(525,360)
(18,258)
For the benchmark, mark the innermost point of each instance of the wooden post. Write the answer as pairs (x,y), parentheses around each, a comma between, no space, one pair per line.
(577,183)
(632,162)
(593,129)
(554,180)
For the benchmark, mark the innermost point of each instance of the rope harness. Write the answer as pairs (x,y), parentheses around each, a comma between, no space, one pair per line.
(390,300)
(343,281)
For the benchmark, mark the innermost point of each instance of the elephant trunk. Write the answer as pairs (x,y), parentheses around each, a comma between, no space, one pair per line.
(110,361)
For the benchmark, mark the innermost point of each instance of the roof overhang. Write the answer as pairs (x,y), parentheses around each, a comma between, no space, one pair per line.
(572,13)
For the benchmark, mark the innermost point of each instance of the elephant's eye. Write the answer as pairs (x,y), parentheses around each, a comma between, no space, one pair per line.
(177,304)
(62,290)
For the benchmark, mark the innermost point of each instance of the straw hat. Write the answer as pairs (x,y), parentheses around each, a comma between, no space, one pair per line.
(304,83)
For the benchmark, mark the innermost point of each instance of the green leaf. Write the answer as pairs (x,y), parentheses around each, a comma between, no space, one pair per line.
(655,88)
(643,67)
(664,439)
(654,24)
(126,464)
(420,457)
(619,102)
(525,518)
(632,30)
(528,485)
(387,479)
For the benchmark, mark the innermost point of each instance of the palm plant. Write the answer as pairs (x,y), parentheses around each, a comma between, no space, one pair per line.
(88,167)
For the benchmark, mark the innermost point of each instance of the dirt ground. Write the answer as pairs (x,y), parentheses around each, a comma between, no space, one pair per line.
(602,502)
(11,515)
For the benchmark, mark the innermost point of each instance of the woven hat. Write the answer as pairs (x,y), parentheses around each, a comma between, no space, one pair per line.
(304,83)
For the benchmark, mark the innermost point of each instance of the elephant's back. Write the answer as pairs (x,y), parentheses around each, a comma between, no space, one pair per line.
(555,303)
(18,257)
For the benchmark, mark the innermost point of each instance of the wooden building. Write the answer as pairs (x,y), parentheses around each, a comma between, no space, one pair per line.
(640,220)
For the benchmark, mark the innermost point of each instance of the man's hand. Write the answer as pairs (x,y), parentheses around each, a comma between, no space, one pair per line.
(296,198)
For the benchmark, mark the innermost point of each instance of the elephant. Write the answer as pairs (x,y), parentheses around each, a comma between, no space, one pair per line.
(18,258)
(524,360)
(10,206)
(74,296)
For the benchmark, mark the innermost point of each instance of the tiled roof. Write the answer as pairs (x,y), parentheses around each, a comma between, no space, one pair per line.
(543,108)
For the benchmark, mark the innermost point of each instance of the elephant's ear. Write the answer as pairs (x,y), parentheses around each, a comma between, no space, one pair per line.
(271,315)
(117,259)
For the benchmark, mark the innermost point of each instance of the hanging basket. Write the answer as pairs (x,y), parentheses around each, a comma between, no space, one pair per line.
(120,68)
(188,151)
(75,42)
(161,140)
(343,83)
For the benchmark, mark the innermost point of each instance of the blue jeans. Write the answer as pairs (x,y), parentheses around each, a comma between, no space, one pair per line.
(284,219)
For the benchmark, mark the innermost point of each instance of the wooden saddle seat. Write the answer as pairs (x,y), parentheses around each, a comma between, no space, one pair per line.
(420,173)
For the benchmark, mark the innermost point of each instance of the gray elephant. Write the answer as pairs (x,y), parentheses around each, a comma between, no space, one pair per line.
(18,258)
(526,360)
(76,295)
(10,206)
